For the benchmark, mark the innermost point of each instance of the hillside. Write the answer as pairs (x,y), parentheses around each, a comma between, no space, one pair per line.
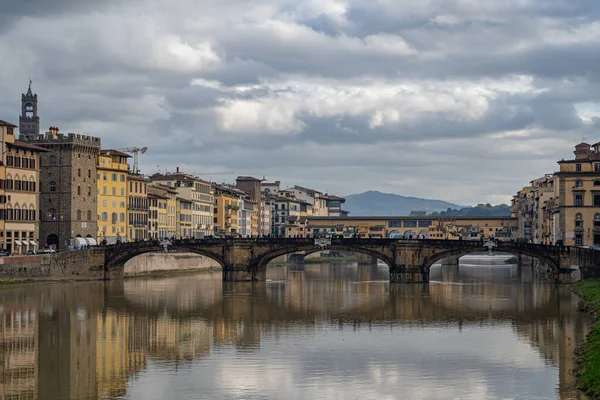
(375,203)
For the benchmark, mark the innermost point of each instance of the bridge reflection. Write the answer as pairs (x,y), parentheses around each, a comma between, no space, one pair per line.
(86,340)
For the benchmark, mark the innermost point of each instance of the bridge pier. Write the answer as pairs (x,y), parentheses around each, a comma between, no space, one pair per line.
(403,274)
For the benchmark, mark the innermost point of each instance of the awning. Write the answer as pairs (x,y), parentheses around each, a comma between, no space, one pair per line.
(80,241)
(33,243)
(18,242)
(91,241)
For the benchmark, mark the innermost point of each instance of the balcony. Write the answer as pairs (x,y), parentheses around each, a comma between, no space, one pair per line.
(228,224)
(227,215)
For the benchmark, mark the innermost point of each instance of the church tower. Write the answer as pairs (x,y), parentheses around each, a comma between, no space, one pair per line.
(29,121)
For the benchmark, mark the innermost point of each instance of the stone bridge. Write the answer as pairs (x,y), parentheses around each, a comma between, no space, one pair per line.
(409,261)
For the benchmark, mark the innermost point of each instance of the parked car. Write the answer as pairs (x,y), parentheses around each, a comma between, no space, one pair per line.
(4,253)
(31,252)
(48,250)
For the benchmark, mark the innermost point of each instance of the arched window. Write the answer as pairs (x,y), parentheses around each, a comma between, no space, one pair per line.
(53,186)
(78,215)
(78,190)
(578,183)
(578,220)
(89,215)
(89,190)
(53,161)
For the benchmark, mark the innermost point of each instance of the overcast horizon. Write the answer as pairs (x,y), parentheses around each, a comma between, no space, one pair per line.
(461,100)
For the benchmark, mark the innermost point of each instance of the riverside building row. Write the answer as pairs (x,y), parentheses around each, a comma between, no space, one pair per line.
(563,207)
(65,190)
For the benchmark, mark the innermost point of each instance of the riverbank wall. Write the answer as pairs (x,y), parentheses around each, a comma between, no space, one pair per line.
(588,355)
(154,263)
(71,265)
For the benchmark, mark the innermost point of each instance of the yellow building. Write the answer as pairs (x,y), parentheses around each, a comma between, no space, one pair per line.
(579,197)
(19,192)
(137,208)
(112,196)
(227,206)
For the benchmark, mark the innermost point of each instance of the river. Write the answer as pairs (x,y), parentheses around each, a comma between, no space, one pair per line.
(483,330)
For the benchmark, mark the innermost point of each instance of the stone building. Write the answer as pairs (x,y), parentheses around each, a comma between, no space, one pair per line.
(68,189)
(29,121)
(137,208)
(19,195)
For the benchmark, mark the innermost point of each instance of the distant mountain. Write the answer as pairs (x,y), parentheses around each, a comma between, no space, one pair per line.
(373,203)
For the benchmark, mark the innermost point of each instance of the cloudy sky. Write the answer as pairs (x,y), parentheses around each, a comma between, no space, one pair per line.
(463,100)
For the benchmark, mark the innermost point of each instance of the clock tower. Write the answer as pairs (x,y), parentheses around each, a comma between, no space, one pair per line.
(29,121)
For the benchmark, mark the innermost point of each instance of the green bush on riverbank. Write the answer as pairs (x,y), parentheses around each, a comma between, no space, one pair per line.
(589,357)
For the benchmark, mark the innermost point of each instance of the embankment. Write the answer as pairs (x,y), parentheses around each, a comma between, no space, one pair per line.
(588,357)
(71,265)
(157,263)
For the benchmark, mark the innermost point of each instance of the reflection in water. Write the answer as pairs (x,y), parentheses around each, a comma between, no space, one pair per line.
(482,330)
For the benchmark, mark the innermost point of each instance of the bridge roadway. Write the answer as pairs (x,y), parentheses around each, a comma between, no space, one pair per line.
(409,261)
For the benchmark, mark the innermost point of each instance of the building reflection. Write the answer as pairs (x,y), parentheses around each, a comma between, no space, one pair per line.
(89,340)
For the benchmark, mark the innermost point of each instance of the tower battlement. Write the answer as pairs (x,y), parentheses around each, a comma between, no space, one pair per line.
(53,137)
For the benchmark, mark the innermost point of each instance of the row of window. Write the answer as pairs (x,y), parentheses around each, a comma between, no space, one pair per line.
(18,215)
(579,200)
(579,182)
(138,219)
(114,191)
(20,162)
(138,203)
(52,215)
(25,186)
(115,218)
(54,162)
(596,167)
(114,177)
(139,187)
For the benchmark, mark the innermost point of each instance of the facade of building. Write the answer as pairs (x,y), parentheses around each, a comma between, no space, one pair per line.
(523,209)
(199,192)
(111,179)
(252,187)
(579,197)
(68,188)
(137,208)
(158,199)
(247,218)
(226,210)
(19,192)
(286,214)
(171,211)
(184,218)
(314,198)
(334,206)
(266,209)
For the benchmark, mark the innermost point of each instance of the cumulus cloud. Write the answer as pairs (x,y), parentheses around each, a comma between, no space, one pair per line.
(460,100)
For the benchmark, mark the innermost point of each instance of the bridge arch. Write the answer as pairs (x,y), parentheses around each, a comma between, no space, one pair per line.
(458,252)
(120,256)
(264,259)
